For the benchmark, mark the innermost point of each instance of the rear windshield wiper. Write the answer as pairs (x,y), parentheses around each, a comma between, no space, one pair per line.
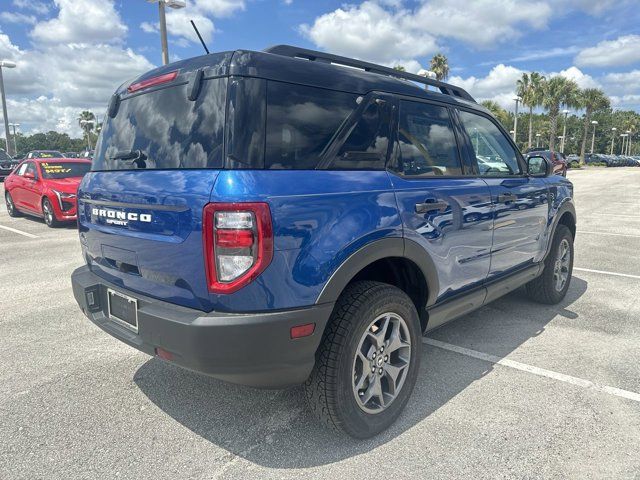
(134,156)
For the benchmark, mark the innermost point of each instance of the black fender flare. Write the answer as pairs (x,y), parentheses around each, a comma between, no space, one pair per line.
(377,250)
(567,206)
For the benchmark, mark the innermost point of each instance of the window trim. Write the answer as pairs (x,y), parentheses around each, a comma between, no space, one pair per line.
(469,145)
(392,164)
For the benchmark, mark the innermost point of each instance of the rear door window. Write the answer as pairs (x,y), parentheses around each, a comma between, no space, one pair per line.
(163,129)
(301,123)
(427,141)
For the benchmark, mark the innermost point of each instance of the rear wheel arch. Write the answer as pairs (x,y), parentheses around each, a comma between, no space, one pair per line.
(394,261)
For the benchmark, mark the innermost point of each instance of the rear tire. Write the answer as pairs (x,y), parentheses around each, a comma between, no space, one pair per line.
(367,364)
(49,214)
(552,285)
(11,208)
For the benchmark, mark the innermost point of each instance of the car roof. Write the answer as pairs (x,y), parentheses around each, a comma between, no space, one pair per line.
(321,73)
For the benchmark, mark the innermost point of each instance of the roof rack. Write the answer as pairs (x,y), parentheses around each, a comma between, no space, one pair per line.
(314,56)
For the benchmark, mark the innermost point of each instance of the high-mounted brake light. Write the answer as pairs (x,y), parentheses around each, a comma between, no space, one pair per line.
(150,82)
(238,244)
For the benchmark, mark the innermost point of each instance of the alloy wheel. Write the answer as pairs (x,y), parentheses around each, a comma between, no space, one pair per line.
(381,362)
(561,266)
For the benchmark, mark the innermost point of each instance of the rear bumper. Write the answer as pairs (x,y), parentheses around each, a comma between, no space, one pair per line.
(252,349)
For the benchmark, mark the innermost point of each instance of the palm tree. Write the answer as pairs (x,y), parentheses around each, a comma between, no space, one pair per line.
(500,113)
(530,89)
(87,120)
(558,91)
(440,66)
(591,99)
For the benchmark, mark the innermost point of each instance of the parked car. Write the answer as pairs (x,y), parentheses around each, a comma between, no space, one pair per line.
(7,164)
(310,235)
(45,188)
(86,154)
(72,155)
(44,154)
(556,158)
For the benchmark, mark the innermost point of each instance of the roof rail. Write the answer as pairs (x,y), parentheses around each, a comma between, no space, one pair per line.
(314,56)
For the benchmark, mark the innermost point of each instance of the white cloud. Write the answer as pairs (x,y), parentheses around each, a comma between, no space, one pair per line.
(499,85)
(623,83)
(480,23)
(41,8)
(583,80)
(201,12)
(624,50)
(82,21)
(369,32)
(57,77)
(15,17)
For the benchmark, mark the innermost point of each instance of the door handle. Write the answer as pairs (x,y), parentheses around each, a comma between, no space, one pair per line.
(427,207)
(507,197)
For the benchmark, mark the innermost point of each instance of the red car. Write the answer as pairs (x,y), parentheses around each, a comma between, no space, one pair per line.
(46,188)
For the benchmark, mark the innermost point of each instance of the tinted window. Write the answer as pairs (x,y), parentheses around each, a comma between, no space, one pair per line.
(427,141)
(64,169)
(22,169)
(367,144)
(494,153)
(167,129)
(245,124)
(301,122)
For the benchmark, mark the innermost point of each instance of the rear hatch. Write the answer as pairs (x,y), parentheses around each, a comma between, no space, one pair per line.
(157,159)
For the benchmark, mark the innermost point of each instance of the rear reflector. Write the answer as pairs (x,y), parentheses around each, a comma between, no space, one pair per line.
(234,238)
(302,330)
(150,82)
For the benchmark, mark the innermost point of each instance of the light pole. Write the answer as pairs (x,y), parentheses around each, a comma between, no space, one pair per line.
(85,124)
(564,130)
(623,137)
(538,140)
(175,4)
(627,151)
(15,138)
(5,64)
(613,138)
(593,136)
(515,119)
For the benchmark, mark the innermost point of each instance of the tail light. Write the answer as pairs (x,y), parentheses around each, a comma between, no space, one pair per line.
(238,244)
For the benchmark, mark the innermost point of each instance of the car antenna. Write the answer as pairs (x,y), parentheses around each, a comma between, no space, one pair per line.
(200,37)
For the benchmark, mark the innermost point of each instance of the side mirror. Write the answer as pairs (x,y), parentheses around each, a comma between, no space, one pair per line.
(538,166)
(29,175)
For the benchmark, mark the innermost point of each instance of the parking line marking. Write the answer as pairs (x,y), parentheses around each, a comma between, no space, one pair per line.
(19,232)
(609,233)
(604,272)
(541,372)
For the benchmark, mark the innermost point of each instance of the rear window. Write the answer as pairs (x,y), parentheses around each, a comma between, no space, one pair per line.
(64,169)
(163,129)
(301,122)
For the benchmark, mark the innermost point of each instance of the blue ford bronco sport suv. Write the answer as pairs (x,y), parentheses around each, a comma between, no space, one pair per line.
(274,218)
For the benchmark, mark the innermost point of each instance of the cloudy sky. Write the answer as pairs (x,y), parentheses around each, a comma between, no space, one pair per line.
(72,54)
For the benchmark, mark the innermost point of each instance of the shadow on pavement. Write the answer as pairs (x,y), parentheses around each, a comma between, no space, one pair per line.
(274,429)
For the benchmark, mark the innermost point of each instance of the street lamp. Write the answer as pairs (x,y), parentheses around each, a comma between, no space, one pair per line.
(564,130)
(15,139)
(593,136)
(515,120)
(84,123)
(538,135)
(622,147)
(175,4)
(627,150)
(5,64)
(613,138)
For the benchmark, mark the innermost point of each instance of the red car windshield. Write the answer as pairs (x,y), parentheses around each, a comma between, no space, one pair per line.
(64,169)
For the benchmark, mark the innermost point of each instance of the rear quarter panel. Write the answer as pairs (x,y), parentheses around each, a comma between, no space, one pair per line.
(319,219)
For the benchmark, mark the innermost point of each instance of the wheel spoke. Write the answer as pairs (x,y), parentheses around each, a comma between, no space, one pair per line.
(393,372)
(395,341)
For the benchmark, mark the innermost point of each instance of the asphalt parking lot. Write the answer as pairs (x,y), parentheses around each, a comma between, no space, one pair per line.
(514,390)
